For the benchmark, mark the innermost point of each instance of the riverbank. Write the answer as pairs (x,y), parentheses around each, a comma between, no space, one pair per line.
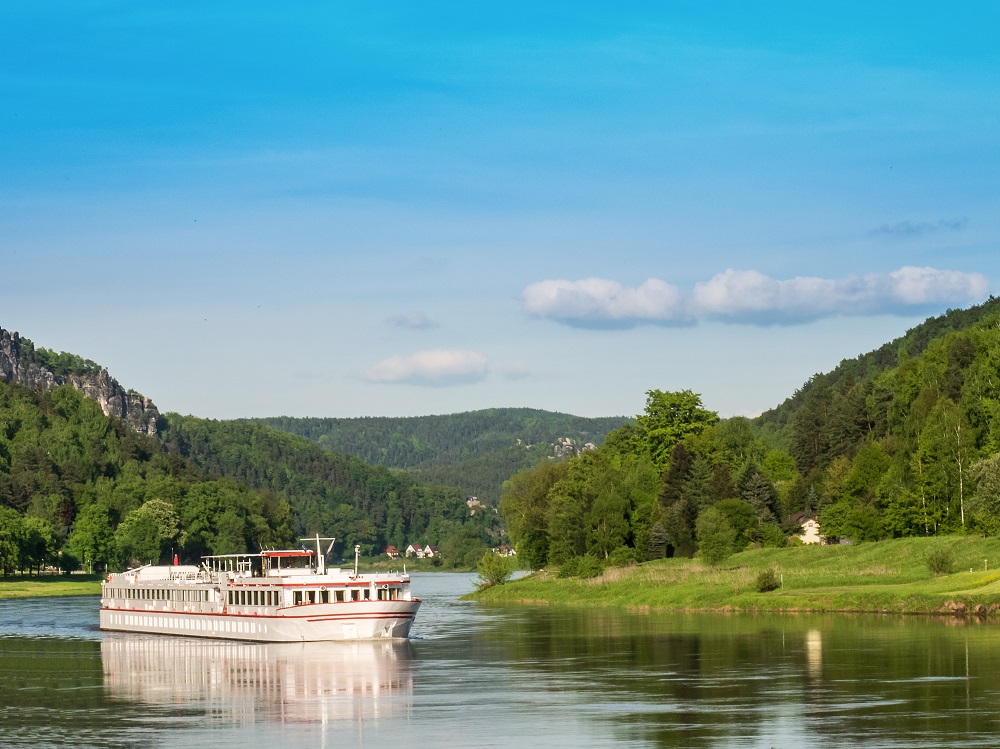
(887,576)
(30,586)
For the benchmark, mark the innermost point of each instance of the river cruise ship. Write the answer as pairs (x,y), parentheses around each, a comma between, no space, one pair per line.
(271,596)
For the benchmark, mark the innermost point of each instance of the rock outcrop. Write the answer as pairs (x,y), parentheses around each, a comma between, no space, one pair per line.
(565,447)
(19,364)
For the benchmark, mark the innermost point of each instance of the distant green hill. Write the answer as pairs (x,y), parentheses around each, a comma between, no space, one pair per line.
(333,494)
(475,450)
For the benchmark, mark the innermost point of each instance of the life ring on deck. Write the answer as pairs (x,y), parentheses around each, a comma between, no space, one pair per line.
(385,586)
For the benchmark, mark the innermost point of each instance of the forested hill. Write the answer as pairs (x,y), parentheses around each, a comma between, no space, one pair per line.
(864,368)
(475,450)
(333,494)
(85,488)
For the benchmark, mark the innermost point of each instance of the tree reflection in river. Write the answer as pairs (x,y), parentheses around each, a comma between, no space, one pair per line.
(744,680)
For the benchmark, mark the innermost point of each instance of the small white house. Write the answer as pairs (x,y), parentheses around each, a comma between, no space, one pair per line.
(808,528)
(415,550)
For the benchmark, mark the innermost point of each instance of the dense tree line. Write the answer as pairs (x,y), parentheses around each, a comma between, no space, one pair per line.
(77,487)
(476,451)
(904,441)
(336,495)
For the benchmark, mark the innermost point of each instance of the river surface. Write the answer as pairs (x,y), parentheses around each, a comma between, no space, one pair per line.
(474,676)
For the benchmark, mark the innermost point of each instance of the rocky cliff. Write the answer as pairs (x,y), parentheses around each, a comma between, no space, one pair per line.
(19,363)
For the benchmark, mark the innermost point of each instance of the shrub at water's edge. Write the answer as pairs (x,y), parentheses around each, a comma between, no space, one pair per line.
(494,569)
(890,576)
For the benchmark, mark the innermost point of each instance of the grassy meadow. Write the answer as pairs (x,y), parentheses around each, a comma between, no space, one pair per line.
(28,586)
(886,576)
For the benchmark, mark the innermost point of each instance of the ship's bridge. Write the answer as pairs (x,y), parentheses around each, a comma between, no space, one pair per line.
(289,562)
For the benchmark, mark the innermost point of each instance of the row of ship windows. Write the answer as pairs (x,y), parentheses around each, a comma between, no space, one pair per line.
(254,598)
(302,597)
(203,625)
(159,594)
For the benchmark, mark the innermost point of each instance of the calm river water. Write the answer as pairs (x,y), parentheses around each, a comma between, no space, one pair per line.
(490,677)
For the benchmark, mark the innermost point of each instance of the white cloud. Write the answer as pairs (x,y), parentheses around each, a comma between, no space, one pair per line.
(598,302)
(434,368)
(931,286)
(412,320)
(748,296)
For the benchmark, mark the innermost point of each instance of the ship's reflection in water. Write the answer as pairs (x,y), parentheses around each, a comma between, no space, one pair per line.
(240,683)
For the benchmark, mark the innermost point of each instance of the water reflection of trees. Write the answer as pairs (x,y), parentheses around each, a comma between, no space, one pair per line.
(705,680)
(52,692)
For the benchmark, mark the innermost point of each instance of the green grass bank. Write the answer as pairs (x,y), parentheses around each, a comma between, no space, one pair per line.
(887,576)
(30,586)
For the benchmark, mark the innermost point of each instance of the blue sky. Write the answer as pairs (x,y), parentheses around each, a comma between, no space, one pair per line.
(348,209)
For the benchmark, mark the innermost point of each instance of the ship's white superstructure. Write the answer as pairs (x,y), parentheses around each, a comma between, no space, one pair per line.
(271,596)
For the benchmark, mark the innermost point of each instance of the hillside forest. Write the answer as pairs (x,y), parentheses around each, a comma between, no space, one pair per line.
(78,488)
(475,451)
(904,441)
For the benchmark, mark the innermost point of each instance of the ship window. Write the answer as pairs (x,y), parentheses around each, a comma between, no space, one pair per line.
(297,597)
(340,596)
(368,594)
(324,596)
(355,595)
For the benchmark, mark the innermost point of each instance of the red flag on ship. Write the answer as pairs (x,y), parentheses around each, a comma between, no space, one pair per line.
(176,560)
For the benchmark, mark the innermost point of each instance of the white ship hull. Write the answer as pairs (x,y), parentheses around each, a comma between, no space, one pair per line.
(302,624)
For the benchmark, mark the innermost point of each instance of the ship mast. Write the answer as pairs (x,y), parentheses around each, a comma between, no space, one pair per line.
(320,556)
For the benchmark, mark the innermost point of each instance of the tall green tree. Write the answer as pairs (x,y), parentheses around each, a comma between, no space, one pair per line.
(12,539)
(716,536)
(984,504)
(668,418)
(91,539)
